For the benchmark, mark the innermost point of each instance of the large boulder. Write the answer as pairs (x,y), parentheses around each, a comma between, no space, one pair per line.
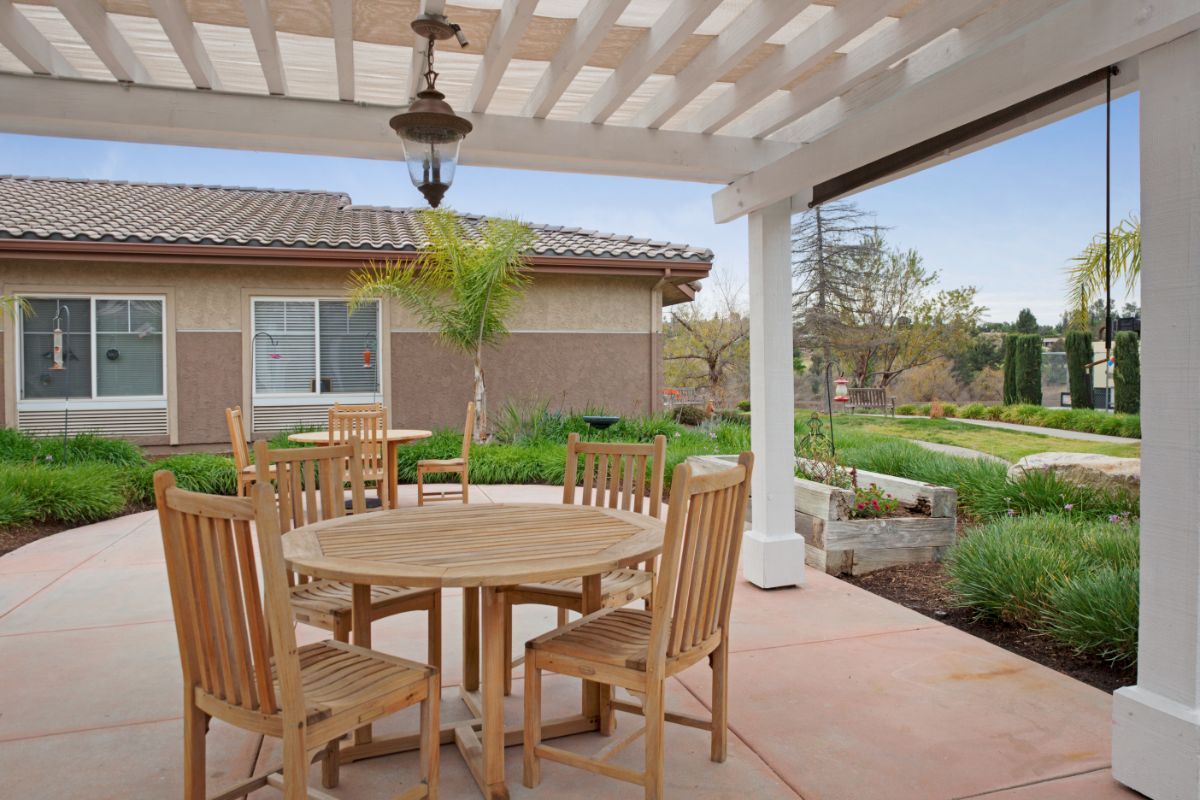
(1084,469)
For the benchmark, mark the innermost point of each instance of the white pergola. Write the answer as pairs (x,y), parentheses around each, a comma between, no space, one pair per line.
(783,102)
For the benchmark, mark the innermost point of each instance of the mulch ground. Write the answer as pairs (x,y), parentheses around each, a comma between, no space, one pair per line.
(12,538)
(923,588)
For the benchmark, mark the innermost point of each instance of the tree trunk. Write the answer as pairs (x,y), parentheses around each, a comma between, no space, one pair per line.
(480,399)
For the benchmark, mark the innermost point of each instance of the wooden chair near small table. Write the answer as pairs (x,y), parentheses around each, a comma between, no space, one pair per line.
(246,473)
(458,466)
(309,488)
(638,649)
(370,424)
(241,663)
(614,475)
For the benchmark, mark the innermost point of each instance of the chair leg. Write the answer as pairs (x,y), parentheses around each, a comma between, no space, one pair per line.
(195,723)
(331,765)
(655,715)
(341,629)
(608,715)
(295,765)
(431,736)
(533,720)
(420,487)
(720,701)
(465,487)
(562,617)
(508,647)
(435,632)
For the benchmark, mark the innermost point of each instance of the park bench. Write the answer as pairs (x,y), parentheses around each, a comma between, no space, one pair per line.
(871,398)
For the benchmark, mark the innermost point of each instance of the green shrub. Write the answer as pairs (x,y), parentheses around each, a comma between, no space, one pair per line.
(71,494)
(17,447)
(1010,369)
(994,413)
(280,440)
(949,410)
(1097,612)
(907,410)
(1079,374)
(743,405)
(973,411)
(1127,374)
(688,415)
(736,417)
(196,472)
(642,429)
(1028,368)
(88,448)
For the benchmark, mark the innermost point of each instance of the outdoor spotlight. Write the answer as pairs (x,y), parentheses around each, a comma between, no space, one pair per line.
(430,130)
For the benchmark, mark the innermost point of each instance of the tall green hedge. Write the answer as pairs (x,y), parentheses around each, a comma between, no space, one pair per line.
(1010,369)
(1079,355)
(1028,367)
(1127,373)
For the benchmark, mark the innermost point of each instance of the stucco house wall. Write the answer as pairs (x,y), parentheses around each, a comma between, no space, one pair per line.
(576,340)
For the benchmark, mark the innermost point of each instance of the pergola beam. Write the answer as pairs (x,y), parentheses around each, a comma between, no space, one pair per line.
(417,65)
(751,28)
(160,115)
(1071,41)
(515,16)
(654,47)
(586,34)
(181,31)
(912,32)
(806,51)
(266,43)
(342,12)
(92,23)
(23,40)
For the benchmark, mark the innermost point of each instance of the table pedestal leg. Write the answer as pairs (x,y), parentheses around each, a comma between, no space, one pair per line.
(360,622)
(471,639)
(493,694)
(393,449)
(597,697)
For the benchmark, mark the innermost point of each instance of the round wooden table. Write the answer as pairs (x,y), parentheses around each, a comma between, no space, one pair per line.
(482,548)
(395,438)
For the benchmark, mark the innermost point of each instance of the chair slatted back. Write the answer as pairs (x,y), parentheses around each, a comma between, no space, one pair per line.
(237,437)
(225,620)
(614,475)
(310,484)
(370,424)
(468,431)
(699,564)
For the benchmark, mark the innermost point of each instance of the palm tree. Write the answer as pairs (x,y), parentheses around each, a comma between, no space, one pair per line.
(464,285)
(1086,274)
(12,305)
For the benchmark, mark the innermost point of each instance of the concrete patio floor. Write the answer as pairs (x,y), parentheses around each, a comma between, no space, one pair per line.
(835,693)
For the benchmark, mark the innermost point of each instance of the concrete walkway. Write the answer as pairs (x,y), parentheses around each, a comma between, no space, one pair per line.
(837,694)
(955,450)
(1080,436)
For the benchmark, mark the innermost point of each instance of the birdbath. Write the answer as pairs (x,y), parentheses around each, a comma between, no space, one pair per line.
(599,422)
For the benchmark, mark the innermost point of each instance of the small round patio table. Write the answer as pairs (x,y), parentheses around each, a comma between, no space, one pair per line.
(395,438)
(483,548)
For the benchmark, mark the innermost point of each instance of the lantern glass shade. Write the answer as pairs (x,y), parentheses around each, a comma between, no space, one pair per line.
(431,163)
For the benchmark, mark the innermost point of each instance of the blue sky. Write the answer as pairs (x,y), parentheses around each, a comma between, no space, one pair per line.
(1006,219)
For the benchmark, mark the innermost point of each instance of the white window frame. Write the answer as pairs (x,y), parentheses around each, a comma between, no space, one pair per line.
(115,402)
(318,397)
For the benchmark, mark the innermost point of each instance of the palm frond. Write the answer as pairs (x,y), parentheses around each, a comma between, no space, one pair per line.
(1085,276)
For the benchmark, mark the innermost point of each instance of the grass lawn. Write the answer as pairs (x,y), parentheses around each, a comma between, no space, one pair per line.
(1009,445)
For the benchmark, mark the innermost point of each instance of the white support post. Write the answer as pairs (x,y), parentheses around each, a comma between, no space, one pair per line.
(1156,733)
(772,551)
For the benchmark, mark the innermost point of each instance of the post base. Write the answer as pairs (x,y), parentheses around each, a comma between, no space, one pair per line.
(1156,744)
(770,562)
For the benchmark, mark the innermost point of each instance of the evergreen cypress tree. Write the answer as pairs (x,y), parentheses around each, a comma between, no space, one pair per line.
(1010,369)
(1028,368)
(1127,373)
(1079,355)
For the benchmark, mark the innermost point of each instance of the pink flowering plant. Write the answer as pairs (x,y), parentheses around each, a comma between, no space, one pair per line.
(871,502)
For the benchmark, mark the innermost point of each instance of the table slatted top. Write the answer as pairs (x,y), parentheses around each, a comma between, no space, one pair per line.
(393,435)
(473,545)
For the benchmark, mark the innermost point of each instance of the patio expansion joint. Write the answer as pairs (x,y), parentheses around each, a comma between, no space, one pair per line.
(77,567)
(933,625)
(88,628)
(1039,782)
(89,729)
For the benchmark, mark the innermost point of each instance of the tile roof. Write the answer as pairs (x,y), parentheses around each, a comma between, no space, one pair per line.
(116,211)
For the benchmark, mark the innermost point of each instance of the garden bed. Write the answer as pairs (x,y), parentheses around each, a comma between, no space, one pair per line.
(924,588)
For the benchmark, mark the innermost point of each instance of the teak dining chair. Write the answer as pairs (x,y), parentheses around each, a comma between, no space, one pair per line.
(638,649)
(310,485)
(241,663)
(370,424)
(246,472)
(614,475)
(459,466)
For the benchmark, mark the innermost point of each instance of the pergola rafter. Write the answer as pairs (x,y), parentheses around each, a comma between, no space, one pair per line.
(92,22)
(178,26)
(23,40)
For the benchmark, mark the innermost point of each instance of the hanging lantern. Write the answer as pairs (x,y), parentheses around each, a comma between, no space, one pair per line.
(841,390)
(430,130)
(367,359)
(57,351)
